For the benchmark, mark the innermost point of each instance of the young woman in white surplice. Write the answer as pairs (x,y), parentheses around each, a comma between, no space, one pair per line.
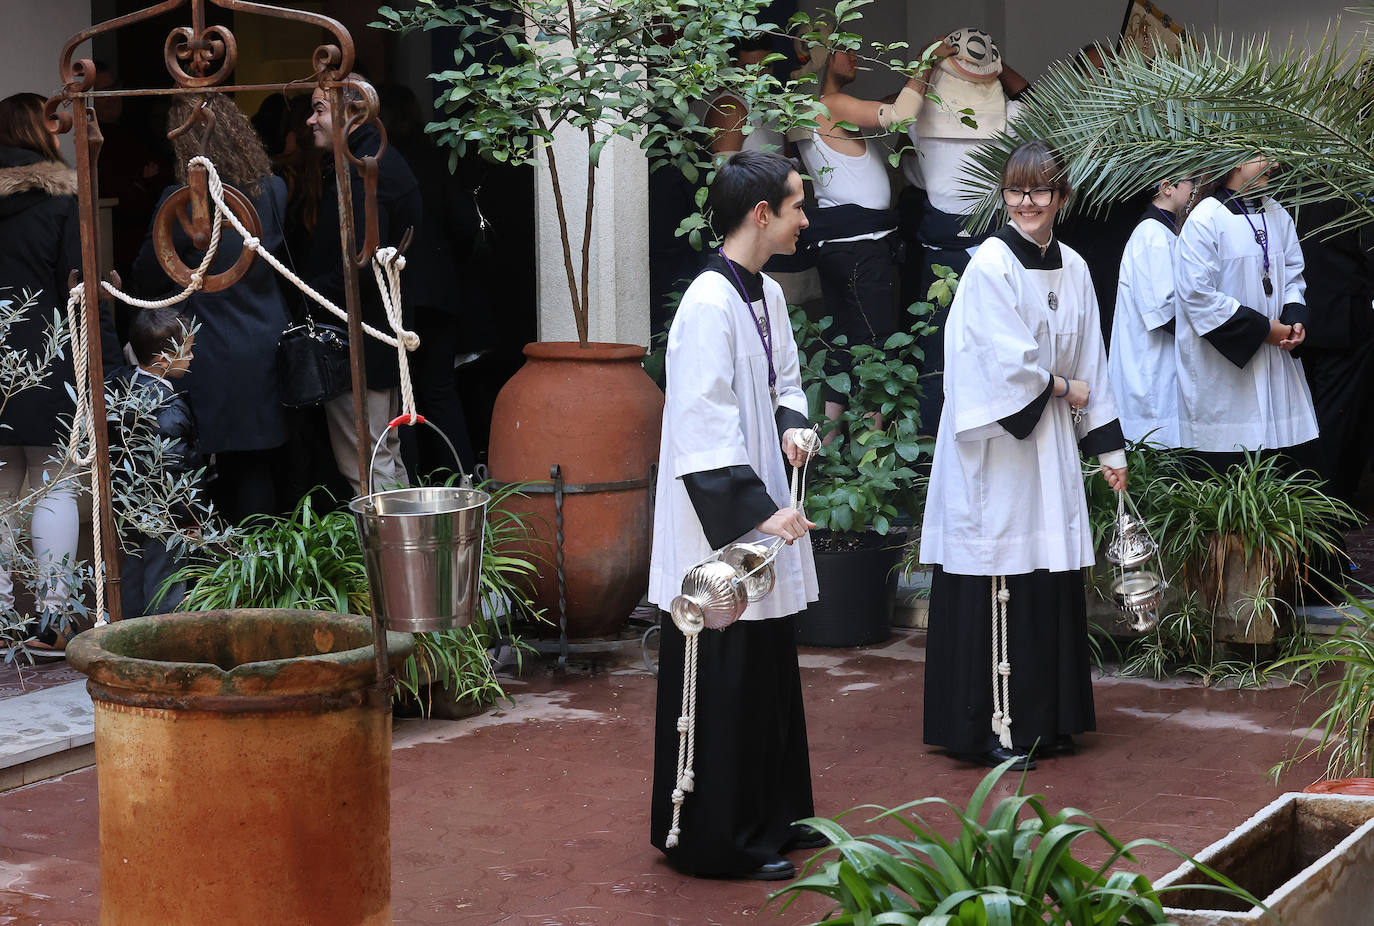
(1241,312)
(734,403)
(1006,520)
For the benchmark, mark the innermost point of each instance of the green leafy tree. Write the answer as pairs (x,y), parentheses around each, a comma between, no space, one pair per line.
(524,69)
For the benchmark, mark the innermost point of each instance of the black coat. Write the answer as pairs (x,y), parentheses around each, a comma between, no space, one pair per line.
(1339,272)
(398,208)
(174,420)
(40,244)
(233,379)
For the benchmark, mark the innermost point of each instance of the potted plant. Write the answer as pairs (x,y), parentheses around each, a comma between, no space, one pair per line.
(311,560)
(1244,536)
(866,485)
(1015,867)
(1344,726)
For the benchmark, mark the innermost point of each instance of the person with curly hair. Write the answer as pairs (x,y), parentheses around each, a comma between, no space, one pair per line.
(233,389)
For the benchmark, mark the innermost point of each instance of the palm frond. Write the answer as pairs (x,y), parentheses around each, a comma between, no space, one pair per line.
(1140,121)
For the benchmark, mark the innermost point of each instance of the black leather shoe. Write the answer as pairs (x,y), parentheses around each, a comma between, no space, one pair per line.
(779,869)
(1063,746)
(806,838)
(995,757)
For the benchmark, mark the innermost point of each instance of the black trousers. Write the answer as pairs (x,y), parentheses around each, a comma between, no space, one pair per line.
(1342,384)
(246,483)
(436,395)
(752,768)
(1047,637)
(859,284)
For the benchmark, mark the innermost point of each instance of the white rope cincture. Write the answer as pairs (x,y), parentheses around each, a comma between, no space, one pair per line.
(686,737)
(1001,663)
(387,264)
(83,427)
(809,441)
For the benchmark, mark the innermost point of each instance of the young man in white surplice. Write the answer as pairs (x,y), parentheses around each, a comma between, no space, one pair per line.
(733,410)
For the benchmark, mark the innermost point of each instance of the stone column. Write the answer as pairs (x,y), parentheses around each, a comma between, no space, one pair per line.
(619,269)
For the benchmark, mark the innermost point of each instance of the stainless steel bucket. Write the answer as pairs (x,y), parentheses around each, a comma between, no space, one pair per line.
(423,552)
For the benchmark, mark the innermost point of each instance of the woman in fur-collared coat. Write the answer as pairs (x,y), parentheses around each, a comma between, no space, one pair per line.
(40,243)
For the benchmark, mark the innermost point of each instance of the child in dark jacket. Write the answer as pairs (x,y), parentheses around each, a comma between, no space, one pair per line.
(162,340)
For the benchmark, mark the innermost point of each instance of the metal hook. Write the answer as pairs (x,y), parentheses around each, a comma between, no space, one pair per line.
(202,114)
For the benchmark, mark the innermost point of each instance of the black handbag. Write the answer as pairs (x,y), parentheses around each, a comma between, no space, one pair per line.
(312,364)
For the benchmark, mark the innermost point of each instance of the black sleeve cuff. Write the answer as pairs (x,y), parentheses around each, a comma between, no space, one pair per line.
(1103,439)
(1171,326)
(1294,313)
(1022,423)
(1240,335)
(729,501)
(789,418)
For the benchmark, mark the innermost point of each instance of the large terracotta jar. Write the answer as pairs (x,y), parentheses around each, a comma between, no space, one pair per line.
(595,413)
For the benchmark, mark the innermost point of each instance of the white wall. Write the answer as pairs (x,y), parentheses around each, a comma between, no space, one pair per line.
(1045,30)
(34,41)
(32,45)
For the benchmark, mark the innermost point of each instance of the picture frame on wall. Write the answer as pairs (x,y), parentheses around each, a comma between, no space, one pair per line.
(1151,30)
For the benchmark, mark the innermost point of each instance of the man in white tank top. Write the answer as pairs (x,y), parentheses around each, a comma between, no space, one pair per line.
(736,128)
(854,219)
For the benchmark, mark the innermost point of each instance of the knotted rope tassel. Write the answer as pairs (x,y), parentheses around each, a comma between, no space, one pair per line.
(1001,663)
(686,737)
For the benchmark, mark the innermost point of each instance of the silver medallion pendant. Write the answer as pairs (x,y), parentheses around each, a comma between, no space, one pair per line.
(1054,302)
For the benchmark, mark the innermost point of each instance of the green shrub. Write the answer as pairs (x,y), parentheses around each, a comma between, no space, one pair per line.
(1014,868)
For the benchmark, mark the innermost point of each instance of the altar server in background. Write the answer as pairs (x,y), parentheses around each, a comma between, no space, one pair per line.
(733,409)
(1142,368)
(1006,524)
(1241,313)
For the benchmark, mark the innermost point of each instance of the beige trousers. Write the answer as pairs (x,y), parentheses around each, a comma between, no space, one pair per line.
(382,406)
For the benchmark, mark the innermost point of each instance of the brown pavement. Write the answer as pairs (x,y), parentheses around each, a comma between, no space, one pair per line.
(536,813)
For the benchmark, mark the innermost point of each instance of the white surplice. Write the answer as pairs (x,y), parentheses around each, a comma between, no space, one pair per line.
(718,413)
(1219,267)
(998,505)
(1141,364)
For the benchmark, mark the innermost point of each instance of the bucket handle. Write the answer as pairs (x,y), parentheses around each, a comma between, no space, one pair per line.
(465,482)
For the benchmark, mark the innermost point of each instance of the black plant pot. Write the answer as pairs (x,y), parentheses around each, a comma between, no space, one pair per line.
(858,589)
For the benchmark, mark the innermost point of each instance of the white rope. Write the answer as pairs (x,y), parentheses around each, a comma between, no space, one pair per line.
(685,780)
(387,264)
(404,340)
(83,427)
(1001,663)
(809,441)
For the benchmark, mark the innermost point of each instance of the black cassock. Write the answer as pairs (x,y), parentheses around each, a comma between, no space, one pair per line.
(751,765)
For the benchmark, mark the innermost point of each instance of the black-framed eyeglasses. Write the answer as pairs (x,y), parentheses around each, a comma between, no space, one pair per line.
(1040,196)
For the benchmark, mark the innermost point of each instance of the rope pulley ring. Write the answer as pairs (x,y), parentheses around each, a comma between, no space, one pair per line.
(175,208)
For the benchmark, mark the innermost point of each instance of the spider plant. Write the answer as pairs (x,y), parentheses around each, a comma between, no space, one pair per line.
(1280,520)
(312,560)
(457,660)
(1344,724)
(1014,868)
(307,559)
(1216,104)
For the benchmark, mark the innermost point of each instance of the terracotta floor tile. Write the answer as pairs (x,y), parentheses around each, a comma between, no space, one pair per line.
(536,814)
